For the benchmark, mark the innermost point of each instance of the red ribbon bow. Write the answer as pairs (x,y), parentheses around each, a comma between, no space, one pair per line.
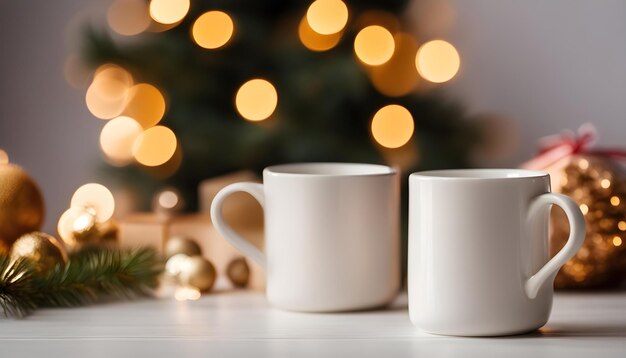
(556,147)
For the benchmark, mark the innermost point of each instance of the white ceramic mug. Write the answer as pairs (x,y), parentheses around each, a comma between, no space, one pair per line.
(479,262)
(331,234)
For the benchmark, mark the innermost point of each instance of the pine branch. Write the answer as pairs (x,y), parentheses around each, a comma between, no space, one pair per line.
(90,275)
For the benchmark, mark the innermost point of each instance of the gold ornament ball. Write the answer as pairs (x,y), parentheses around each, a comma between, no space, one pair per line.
(21,204)
(42,249)
(181,245)
(238,272)
(197,272)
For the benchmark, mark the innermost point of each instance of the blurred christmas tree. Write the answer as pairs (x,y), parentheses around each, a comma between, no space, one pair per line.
(327,69)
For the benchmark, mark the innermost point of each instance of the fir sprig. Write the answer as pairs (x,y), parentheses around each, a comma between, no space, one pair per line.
(89,275)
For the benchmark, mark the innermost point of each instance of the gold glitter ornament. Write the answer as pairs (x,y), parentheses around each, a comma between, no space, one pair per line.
(181,245)
(238,272)
(197,272)
(21,204)
(42,249)
(598,185)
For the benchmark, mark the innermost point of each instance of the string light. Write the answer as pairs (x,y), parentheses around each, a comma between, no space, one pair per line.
(146,105)
(97,197)
(327,17)
(617,241)
(212,29)
(108,93)
(374,45)
(392,126)
(398,76)
(315,41)
(256,99)
(155,146)
(187,293)
(615,201)
(128,17)
(605,183)
(168,11)
(584,209)
(117,138)
(437,61)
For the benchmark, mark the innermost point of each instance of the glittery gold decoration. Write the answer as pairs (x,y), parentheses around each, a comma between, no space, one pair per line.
(197,272)
(598,185)
(181,245)
(21,204)
(238,272)
(42,249)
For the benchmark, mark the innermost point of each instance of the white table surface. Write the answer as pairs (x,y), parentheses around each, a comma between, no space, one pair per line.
(241,324)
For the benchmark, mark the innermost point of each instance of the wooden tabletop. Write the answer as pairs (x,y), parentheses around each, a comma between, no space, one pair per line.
(242,324)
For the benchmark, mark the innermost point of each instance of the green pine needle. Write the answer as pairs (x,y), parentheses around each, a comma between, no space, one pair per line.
(90,275)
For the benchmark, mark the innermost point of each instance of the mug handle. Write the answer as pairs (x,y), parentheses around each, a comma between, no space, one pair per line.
(574,242)
(241,244)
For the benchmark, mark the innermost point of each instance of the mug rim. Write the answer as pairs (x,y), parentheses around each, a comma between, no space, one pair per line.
(329,170)
(478,174)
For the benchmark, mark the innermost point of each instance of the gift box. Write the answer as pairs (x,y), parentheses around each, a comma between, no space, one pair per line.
(242,212)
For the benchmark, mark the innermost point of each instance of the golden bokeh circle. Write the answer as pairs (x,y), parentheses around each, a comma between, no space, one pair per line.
(97,197)
(212,29)
(392,126)
(374,45)
(155,146)
(117,138)
(256,99)
(437,61)
(108,93)
(4,157)
(398,76)
(168,11)
(327,17)
(146,105)
(315,41)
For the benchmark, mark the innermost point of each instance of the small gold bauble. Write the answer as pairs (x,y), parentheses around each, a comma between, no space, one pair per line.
(21,204)
(238,272)
(77,226)
(42,249)
(197,272)
(181,245)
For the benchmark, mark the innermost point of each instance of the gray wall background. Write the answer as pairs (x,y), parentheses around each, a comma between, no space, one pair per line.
(542,65)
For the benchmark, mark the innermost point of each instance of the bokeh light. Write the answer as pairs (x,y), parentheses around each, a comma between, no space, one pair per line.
(186,293)
(97,197)
(315,41)
(622,225)
(437,61)
(327,16)
(212,29)
(256,99)
(108,93)
(168,11)
(128,17)
(4,157)
(155,146)
(615,200)
(398,76)
(146,105)
(176,264)
(117,139)
(392,126)
(168,199)
(617,241)
(374,45)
